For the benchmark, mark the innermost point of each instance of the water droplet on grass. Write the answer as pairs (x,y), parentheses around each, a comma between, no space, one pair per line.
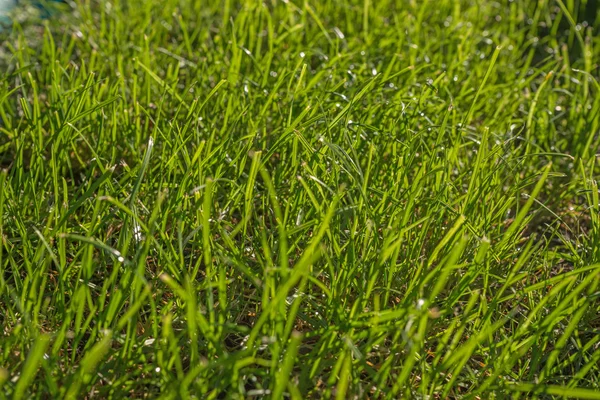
(338,33)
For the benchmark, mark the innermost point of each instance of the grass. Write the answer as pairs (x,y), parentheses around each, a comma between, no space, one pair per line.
(301,199)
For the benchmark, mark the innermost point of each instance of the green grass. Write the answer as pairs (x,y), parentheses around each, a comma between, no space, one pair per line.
(301,199)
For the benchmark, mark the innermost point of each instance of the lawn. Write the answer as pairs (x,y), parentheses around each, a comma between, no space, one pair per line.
(341,199)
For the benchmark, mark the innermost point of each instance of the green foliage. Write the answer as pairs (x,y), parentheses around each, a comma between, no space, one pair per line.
(301,199)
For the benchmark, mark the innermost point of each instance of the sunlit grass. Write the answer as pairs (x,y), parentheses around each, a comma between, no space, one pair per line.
(301,199)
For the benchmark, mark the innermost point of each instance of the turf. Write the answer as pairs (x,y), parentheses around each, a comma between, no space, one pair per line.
(301,199)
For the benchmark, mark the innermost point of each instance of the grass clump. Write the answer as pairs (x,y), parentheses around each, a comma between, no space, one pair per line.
(301,199)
